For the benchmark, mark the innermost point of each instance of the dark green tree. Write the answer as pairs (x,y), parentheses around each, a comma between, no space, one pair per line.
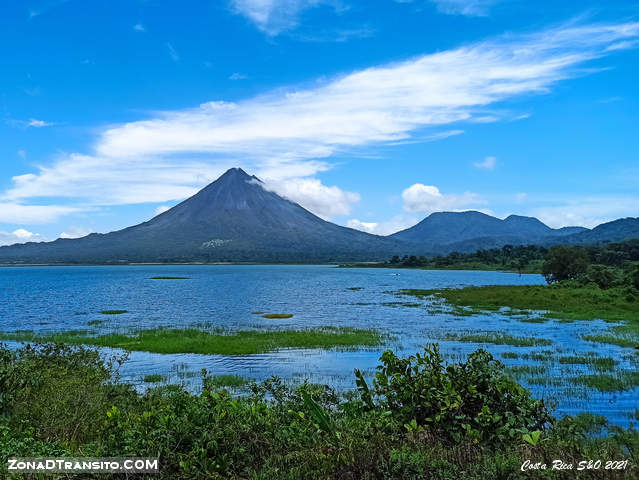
(565,263)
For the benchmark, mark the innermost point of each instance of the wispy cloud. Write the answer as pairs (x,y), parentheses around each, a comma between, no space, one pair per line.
(237,76)
(488,163)
(588,211)
(18,214)
(43,7)
(138,27)
(34,122)
(275,16)
(474,8)
(292,133)
(172,52)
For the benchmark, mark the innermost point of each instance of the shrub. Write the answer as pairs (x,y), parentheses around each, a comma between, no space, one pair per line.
(604,277)
(473,401)
(565,263)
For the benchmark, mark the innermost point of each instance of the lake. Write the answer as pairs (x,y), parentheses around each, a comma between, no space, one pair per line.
(49,299)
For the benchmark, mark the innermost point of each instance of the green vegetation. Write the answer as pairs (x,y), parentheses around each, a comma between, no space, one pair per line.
(221,381)
(195,341)
(169,278)
(419,418)
(620,381)
(498,338)
(598,363)
(113,312)
(561,301)
(95,322)
(510,355)
(277,315)
(612,340)
(154,378)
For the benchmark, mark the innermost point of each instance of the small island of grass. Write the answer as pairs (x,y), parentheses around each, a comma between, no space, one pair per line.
(248,342)
(277,315)
(113,312)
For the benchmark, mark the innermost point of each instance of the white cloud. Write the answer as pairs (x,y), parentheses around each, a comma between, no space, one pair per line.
(161,209)
(138,27)
(33,122)
(31,214)
(290,134)
(473,8)
(395,224)
(237,76)
(322,200)
(76,232)
(587,212)
(275,16)
(428,199)
(521,197)
(43,6)
(488,163)
(22,153)
(19,236)
(172,52)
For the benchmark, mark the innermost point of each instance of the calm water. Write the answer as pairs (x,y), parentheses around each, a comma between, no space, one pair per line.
(48,299)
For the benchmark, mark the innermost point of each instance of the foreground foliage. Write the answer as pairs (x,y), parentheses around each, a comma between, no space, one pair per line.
(419,418)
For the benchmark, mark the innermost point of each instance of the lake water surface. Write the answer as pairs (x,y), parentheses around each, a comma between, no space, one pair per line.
(46,299)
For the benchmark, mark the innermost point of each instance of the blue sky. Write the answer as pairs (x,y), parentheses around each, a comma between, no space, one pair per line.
(370,114)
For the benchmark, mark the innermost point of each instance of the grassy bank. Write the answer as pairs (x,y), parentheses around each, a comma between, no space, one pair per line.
(560,302)
(196,341)
(420,418)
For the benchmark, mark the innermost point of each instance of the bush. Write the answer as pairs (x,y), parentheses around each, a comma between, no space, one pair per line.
(604,277)
(565,263)
(473,401)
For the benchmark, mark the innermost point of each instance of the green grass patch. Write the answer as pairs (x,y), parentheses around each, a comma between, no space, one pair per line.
(612,340)
(354,288)
(169,278)
(510,355)
(95,322)
(222,381)
(534,320)
(278,315)
(154,378)
(195,341)
(621,381)
(498,339)
(113,312)
(560,302)
(598,363)
(521,370)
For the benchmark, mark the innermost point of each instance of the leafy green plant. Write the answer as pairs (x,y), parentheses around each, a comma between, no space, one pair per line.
(474,400)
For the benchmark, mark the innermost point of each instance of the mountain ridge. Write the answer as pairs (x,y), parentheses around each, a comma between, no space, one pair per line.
(236,219)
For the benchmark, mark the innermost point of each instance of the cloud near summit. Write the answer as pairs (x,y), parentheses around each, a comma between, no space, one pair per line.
(291,133)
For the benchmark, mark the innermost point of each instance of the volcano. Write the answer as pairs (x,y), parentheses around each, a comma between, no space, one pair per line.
(234,219)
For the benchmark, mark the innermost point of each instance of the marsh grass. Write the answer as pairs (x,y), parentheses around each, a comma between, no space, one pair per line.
(559,302)
(600,364)
(113,312)
(163,340)
(277,315)
(619,381)
(498,338)
(510,355)
(222,381)
(154,378)
(95,322)
(621,341)
(523,370)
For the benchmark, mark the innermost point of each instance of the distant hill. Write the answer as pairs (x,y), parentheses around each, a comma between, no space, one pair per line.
(233,219)
(445,232)
(615,231)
